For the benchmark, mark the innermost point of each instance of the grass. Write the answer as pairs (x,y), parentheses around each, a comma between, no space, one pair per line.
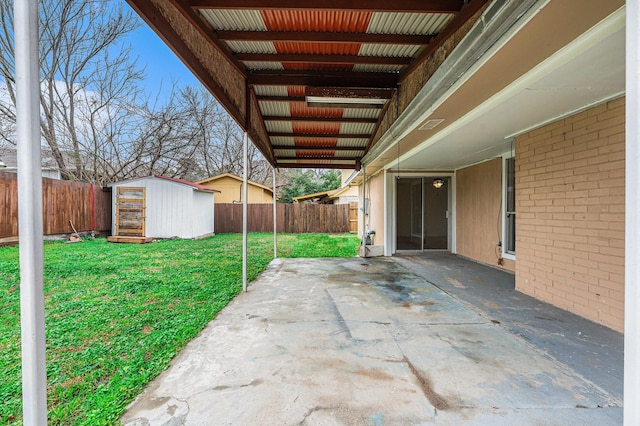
(116,314)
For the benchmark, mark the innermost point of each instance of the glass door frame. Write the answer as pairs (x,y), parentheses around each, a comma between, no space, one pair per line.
(426,178)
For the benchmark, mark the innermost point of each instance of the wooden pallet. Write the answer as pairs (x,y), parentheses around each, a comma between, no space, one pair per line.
(129,239)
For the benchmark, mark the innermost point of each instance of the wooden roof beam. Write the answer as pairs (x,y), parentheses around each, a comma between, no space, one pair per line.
(328,104)
(317,148)
(281,98)
(324,37)
(318,165)
(323,78)
(415,6)
(322,119)
(349,92)
(332,104)
(321,135)
(323,59)
(354,159)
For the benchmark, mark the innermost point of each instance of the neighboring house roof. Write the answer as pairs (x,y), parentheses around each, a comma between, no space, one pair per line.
(338,192)
(318,196)
(223,175)
(195,186)
(9,157)
(331,194)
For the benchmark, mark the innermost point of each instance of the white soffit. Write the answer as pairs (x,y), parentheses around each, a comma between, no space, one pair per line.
(482,33)
(586,72)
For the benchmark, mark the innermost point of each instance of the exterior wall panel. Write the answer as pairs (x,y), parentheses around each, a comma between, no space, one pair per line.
(479,212)
(570,195)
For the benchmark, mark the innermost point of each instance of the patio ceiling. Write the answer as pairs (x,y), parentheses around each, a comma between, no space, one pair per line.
(311,83)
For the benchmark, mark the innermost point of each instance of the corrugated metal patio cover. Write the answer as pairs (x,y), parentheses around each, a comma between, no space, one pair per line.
(318,74)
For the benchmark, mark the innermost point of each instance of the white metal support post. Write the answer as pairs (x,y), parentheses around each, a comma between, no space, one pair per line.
(632,221)
(245,192)
(275,218)
(34,378)
(364,212)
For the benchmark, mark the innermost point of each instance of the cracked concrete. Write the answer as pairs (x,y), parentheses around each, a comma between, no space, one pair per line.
(365,342)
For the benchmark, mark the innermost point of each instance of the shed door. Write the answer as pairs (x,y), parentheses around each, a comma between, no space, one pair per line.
(130,212)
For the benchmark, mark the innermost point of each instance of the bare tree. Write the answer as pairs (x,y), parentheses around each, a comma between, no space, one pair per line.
(96,122)
(217,139)
(86,74)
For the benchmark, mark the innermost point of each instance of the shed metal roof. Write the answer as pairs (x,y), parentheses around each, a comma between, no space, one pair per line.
(192,185)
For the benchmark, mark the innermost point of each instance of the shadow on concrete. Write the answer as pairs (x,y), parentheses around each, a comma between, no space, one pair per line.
(594,351)
(373,342)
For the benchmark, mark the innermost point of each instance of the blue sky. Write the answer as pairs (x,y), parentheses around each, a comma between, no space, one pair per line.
(161,65)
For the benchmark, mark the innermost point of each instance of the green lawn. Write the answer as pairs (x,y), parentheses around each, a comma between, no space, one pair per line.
(117,313)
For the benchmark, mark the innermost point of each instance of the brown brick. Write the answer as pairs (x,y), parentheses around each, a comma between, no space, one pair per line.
(617,103)
(571,239)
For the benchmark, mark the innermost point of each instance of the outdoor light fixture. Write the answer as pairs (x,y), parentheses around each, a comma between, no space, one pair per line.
(328,99)
(346,97)
(437,183)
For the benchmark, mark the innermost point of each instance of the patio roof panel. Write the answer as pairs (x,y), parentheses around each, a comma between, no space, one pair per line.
(240,46)
(275,108)
(234,20)
(316,20)
(271,91)
(282,50)
(409,23)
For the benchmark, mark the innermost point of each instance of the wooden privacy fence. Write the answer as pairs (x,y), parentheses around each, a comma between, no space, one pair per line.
(291,218)
(87,206)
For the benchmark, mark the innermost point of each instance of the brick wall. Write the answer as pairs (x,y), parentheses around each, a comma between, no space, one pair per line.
(570,199)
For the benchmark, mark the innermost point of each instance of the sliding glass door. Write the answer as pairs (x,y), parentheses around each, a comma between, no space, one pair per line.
(422,214)
(409,214)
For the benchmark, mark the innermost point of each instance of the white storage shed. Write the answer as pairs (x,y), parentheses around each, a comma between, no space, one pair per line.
(161,207)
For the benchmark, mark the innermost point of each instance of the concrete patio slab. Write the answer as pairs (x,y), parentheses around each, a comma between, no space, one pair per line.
(363,342)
